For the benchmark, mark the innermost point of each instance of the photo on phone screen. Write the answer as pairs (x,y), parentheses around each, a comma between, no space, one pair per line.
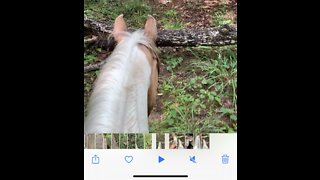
(160,89)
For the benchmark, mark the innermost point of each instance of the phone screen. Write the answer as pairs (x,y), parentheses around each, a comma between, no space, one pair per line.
(160,90)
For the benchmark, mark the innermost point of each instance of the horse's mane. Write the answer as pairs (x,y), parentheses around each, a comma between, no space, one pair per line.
(118,95)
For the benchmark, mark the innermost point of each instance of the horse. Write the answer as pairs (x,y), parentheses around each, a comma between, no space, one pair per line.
(125,90)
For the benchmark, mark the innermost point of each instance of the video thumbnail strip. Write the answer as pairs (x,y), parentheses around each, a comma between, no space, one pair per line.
(147,141)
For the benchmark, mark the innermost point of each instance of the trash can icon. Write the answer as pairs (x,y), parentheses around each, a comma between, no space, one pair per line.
(225,159)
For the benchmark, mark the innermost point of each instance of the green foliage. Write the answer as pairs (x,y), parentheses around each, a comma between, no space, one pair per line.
(205,100)
(171,13)
(135,12)
(171,25)
(148,141)
(172,61)
(219,19)
(171,20)
(123,141)
(221,14)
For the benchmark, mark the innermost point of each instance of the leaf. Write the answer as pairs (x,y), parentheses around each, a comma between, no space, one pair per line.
(170,121)
(233,117)
(204,81)
(230,130)
(202,106)
(210,97)
(210,81)
(192,81)
(217,99)
(226,110)
(173,113)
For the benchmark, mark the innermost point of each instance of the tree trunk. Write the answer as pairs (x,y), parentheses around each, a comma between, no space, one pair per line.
(216,36)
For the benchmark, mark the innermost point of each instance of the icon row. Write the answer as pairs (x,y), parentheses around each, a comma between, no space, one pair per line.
(129,159)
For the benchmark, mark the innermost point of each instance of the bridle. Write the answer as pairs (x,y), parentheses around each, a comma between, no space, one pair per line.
(153,50)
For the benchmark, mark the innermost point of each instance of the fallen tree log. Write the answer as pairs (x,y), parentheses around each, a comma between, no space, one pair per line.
(101,36)
(216,36)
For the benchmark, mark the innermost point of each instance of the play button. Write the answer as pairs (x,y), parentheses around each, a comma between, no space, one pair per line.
(160,159)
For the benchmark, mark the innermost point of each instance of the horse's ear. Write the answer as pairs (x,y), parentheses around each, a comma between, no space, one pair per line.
(118,27)
(150,28)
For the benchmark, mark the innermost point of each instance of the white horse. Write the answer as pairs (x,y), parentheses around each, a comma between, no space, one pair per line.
(125,90)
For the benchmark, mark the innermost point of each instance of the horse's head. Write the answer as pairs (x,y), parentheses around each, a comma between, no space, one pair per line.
(148,47)
(125,90)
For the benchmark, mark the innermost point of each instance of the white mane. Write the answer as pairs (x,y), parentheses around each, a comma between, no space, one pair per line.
(118,103)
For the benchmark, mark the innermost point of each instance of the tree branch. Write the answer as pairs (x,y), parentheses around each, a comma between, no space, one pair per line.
(92,39)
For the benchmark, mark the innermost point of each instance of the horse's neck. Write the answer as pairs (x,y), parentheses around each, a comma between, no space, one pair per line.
(119,101)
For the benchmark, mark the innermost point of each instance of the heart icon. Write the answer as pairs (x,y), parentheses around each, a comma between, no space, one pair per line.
(128,159)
